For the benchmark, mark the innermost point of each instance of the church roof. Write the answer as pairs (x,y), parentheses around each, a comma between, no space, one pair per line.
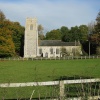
(57,43)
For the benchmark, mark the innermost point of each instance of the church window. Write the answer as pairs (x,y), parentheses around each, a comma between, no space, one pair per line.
(51,50)
(40,51)
(57,51)
(31,27)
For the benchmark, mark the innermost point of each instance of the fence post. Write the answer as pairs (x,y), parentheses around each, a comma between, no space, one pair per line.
(61,85)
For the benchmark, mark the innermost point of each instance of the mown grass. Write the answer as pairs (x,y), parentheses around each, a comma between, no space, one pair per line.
(44,70)
(47,70)
(24,93)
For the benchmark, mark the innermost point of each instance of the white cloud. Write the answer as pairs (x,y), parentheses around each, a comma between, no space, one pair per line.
(52,14)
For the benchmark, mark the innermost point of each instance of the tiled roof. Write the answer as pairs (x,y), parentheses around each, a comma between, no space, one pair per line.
(57,43)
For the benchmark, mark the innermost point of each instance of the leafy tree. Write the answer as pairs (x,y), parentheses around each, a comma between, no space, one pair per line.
(84,33)
(75,34)
(65,34)
(64,30)
(53,35)
(96,36)
(2,16)
(40,32)
(7,47)
(97,26)
(17,36)
(91,28)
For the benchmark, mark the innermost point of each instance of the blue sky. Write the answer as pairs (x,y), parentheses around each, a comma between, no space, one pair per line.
(52,14)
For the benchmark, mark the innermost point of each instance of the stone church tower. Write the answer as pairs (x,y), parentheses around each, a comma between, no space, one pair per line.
(31,38)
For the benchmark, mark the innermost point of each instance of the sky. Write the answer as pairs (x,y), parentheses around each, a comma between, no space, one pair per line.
(51,14)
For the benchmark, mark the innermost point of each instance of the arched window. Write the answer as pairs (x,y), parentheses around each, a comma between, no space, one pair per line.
(31,27)
(57,51)
(51,50)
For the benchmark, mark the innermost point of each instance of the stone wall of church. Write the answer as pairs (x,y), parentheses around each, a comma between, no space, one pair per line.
(55,51)
(31,48)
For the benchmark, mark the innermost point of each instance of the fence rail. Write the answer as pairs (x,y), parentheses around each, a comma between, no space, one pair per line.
(56,58)
(61,86)
(49,83)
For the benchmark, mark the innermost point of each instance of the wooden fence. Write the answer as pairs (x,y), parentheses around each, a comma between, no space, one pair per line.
(56,58)
(60,83)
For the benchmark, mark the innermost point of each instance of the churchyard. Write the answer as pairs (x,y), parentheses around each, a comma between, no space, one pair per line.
(19,71)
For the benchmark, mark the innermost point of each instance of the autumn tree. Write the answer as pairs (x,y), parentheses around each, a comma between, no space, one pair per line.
(2,16)
(95,36)
(18,37)
(97,29)
(97,32)
(7,47)
(11,37)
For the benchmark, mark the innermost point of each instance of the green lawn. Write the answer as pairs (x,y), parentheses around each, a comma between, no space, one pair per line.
(47,70)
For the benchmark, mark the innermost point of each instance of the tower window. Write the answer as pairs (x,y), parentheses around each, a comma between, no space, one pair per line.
(31,27)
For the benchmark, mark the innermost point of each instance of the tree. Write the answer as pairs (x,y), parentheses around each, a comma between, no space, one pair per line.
(84,33)
(94,30)
(18,37)
(91,28)
(65,34)
(75,34)
(97,26)
(40,32)
(53,35)
(7,47)
(2,16)
(96,35)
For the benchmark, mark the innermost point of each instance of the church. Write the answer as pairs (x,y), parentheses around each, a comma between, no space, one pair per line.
(45,48)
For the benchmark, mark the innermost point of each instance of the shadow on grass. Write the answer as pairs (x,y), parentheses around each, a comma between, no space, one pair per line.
(72,77)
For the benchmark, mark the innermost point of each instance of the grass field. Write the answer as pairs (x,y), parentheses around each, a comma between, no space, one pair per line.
(44,70)
(47,70)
